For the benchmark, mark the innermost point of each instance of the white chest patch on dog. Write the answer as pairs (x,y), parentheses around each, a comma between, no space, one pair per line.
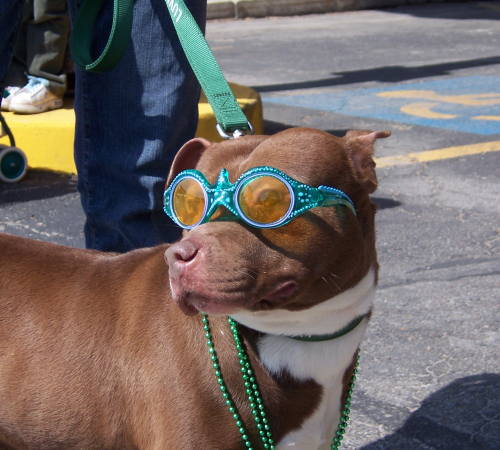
(324,362)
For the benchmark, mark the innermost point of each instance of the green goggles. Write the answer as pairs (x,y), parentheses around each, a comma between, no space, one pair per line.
(262,197)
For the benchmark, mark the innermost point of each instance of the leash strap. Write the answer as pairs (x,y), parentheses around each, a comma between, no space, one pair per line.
(118,38)
(226,109)
(230,118)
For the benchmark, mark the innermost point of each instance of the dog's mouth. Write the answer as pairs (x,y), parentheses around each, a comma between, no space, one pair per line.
(187,308)
(191,304)
(192,301)
(280,293)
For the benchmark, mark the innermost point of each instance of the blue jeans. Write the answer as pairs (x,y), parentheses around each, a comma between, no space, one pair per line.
(130,123)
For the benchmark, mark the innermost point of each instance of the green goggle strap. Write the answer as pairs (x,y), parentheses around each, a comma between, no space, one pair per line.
(222,194)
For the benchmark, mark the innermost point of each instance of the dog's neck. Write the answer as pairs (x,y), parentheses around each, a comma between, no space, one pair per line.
(324,362)
(324,318)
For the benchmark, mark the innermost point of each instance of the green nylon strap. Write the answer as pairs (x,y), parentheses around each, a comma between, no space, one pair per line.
(226,109)
(328,337)
(223,102)
(118,38)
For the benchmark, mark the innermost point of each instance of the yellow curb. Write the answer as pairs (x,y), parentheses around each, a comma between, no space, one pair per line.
(440,153)
(47,139)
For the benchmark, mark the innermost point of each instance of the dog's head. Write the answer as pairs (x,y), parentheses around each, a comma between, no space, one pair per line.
(228,266)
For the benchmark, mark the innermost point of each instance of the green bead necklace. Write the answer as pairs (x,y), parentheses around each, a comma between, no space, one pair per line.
(344,418)
(254,396)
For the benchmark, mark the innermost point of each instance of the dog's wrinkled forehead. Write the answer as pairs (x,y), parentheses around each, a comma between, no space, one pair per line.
(229,155)
(308,156)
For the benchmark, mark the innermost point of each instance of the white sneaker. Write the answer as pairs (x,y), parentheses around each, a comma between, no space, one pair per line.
(35,98)
(8,95)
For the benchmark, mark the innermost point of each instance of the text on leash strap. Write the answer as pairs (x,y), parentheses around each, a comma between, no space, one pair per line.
(175,9)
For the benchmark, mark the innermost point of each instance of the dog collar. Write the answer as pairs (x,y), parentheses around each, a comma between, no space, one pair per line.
(328,337)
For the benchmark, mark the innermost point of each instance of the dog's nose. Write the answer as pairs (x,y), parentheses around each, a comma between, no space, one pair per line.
(180,254)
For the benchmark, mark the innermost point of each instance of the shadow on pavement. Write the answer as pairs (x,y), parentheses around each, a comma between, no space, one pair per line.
(386,74)
(271,127)
(37,185)
(465,415)
(458,11)
(385,203)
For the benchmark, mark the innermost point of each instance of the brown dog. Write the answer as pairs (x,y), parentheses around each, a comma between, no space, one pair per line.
(107,351)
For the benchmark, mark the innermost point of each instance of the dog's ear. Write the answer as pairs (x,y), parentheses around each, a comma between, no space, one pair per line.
(360,146)
(187,157)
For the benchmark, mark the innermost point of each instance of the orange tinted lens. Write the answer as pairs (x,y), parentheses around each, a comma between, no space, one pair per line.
(264,199)
(189,202)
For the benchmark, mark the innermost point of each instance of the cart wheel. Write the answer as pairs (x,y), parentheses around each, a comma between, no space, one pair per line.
(13,164)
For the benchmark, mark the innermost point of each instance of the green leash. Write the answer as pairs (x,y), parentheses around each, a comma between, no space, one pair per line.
(118,37)
(230,118)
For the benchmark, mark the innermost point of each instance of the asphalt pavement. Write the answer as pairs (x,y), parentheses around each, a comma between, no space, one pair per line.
(430,365)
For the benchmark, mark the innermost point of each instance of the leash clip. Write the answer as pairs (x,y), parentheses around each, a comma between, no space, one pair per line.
(236,133)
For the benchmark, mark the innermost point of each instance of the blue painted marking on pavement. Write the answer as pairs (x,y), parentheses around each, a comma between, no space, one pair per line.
(469,104)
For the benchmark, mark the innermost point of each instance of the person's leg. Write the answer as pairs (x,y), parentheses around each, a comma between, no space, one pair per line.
(16,75)
(10,19)
(130,123)
(38,61)
(46,43)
